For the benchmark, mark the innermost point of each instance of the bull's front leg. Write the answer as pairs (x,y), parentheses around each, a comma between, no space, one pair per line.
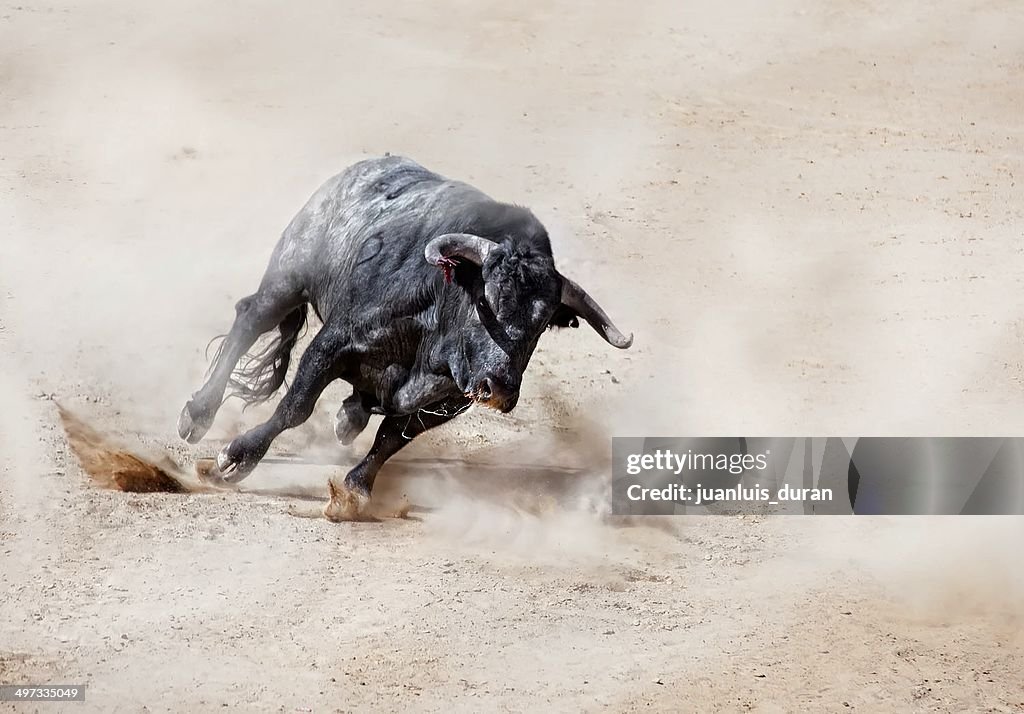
(351,495)
(352,418)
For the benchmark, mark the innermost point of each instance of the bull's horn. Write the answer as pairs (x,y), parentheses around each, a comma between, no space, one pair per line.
(461,245)
(576,299)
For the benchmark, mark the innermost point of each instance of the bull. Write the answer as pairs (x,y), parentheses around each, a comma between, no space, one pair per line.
(432,297)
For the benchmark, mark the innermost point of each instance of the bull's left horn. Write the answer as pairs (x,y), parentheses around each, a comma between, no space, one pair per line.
(457,245)
(579,301)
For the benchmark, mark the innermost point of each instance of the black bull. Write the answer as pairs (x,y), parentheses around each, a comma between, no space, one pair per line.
(432,297)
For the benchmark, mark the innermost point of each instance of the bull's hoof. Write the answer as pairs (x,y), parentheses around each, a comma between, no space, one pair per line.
(191,428)
(346,431)
(347,504)
(232,466)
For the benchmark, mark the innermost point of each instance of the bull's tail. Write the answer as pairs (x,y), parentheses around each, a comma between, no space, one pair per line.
(261,373)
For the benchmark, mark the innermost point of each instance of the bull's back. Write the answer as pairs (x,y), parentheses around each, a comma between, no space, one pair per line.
(369,224)
(361,195)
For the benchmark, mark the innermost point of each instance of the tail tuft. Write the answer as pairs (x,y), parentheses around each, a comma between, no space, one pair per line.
(260,374)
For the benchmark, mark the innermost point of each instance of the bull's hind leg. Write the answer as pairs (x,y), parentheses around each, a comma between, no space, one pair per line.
(320,365)
(351,496)
(275,304)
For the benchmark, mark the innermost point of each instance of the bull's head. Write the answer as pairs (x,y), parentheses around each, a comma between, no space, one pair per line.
(514,297)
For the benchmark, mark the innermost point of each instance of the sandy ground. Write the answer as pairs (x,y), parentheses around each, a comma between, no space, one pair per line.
(807,212)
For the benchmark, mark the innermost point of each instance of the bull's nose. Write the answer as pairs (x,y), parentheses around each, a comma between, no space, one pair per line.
(495,393)
(487,388)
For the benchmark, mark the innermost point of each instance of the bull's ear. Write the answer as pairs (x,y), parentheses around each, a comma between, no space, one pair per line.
(579,302)
(564,317)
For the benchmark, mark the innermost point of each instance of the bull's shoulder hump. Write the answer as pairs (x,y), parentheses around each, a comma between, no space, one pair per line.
(385,166)
(387,176)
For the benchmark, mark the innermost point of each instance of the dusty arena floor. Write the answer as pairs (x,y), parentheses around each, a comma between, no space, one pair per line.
(808,213)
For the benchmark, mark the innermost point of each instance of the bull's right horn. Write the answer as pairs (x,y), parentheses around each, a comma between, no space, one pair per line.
(442,249)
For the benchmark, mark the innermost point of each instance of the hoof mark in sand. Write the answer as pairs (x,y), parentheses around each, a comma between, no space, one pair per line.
(111,466)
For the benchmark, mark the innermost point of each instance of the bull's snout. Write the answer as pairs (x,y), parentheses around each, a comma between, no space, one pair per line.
(496,394)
